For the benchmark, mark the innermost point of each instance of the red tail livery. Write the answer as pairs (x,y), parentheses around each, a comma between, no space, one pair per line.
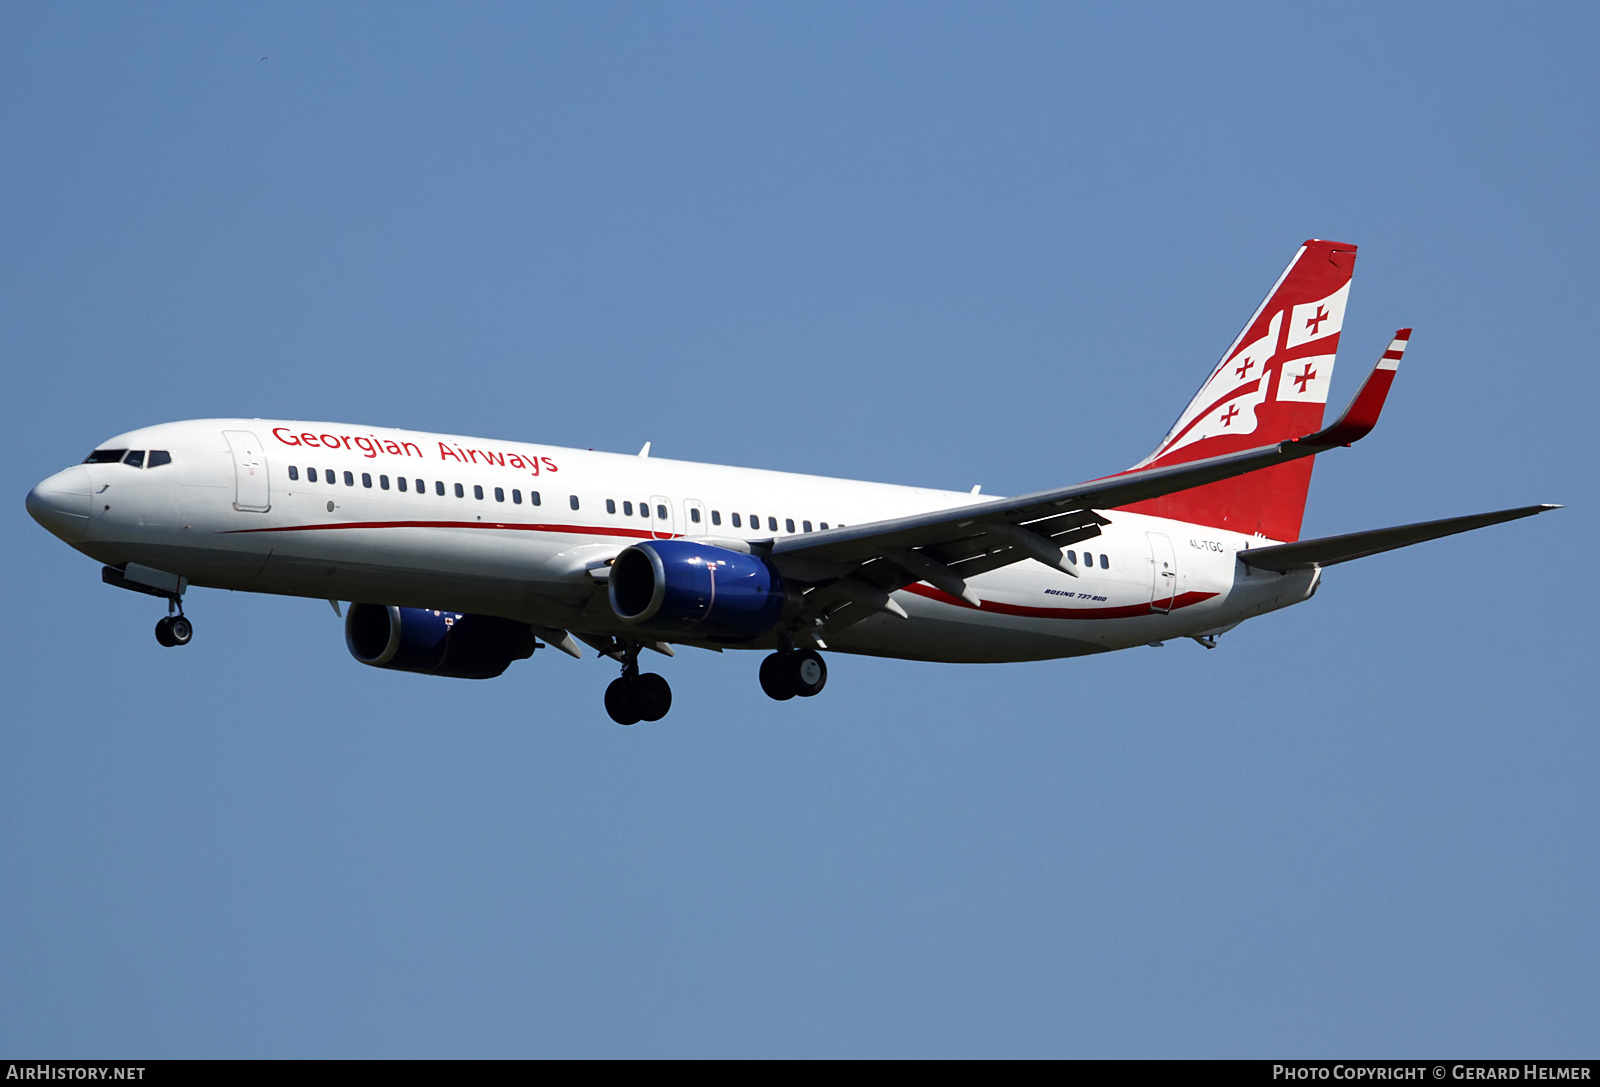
(1271,385)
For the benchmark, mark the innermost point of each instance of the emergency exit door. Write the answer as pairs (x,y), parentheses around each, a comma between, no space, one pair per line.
(661,517)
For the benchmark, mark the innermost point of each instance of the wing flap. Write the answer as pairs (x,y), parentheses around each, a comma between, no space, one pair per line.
(1060,511)
(853,569)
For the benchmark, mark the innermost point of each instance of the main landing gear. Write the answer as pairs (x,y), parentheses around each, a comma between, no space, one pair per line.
(644,696)
(637,696)
(786,674)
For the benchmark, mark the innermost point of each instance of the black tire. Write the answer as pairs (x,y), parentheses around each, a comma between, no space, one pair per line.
(181,630)
(775,679)
(620,704)
(808,672)
(652,696)
(164,633)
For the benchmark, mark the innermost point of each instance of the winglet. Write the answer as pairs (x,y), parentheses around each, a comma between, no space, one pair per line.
(1362,414)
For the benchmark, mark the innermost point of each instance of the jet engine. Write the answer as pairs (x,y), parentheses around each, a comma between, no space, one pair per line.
(683,587)
(435,643)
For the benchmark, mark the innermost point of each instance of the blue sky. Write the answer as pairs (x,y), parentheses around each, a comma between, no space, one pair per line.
(923,243)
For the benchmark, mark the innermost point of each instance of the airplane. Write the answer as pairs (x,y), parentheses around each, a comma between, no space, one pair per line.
(461,555)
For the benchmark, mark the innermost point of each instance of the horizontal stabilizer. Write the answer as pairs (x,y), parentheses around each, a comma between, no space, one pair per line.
(1358,545)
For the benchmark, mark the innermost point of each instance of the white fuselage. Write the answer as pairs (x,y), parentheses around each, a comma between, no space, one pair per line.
(226,516)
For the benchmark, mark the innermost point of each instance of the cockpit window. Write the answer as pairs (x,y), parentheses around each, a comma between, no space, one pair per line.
(104,456)
(134,459)
(157,458)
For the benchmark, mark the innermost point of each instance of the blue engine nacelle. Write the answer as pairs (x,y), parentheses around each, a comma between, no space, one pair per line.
(683,587)
(435,643)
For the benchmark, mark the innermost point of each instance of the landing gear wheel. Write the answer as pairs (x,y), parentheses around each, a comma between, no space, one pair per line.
(635,697)
(180,629)
(652,697)
(174,630)
(620,702)
(808,674)
(775,679)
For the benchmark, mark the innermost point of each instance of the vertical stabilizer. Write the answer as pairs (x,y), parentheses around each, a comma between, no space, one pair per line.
(1271,385)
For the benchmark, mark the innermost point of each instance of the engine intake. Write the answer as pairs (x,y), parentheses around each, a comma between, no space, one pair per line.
(683,587)
(435,643)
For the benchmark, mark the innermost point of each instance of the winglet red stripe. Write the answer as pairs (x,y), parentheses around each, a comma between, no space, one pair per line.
(1362,414)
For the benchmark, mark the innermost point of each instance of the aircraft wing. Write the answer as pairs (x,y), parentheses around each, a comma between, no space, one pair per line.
(866,562)
(1358,545)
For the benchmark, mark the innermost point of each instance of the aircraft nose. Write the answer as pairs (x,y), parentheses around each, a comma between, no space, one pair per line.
(61,503)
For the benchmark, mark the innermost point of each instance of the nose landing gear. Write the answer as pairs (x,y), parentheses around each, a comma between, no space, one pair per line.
(637,696)
(174,630)
(797,672)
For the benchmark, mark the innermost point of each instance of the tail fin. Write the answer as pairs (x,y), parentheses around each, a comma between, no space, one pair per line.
(1271,385)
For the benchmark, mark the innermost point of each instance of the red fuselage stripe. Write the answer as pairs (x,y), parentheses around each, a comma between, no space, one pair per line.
(1133,611)
(589,530)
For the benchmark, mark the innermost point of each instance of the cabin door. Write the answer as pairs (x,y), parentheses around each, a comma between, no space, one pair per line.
(251,492)
(1163,572)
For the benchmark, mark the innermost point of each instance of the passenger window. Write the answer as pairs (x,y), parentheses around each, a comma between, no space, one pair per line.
(644,509)
(716,517)
(572,500)
(383,481)
(1088,560)
(694,514)
(158,457)
(736,521)
(461,492)
(788,524)
(366,479)
(400,481)
(1105,561)
(611,505)
(311,475)
(627,509)
(661,513)
(499,494)
(1072,557)
(134,459)
(823,526)
(331,476)
(422,486)
(477,491)
(533,497)
(772,524)
(806,525)
(294,473)
(516,497)
(438,487)
(349,479)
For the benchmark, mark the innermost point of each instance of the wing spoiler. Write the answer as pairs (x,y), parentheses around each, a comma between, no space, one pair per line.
(861,543)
